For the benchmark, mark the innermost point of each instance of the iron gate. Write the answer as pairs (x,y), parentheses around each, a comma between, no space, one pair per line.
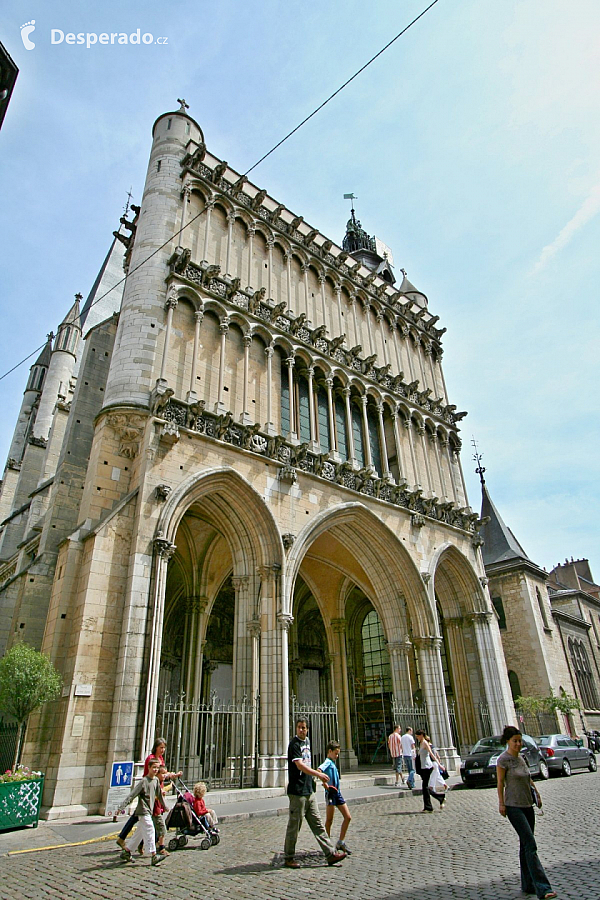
(214,742)
(322,724)
(416,718)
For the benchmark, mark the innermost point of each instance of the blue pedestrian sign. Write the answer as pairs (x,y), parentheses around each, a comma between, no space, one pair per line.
(121,775)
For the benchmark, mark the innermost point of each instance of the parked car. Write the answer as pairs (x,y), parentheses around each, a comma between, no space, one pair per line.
(480,765)
(564,755)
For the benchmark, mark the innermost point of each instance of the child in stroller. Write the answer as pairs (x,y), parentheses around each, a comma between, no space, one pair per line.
(208,816)
(188,823)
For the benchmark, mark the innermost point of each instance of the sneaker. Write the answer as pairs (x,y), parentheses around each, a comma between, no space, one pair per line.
(335,858)
(341,845)
(157,859)
(126,856)
(121,843)
(442,804)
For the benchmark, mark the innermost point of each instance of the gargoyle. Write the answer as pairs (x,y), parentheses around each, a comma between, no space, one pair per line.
(239,184)
(209,273)
(277,211)
(460,415)
(309,238)
(295,223)
(433,320)
(368,363)
(336,343)
(326,246)
(343,256)
(257,200)
(251,432)
(353,352)
(412,387)
(382,371)
(179,259)
(299,453)
(278,310)
(218,172)
(424,395)
(232,288)
(354,269)
(199,154)
(254,300)
(161,401)
(193,411)
(224,422)
(397,381)
(318,333)
(297,323)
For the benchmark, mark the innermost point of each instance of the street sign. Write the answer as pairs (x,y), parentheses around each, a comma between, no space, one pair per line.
(121,778)
(121,775)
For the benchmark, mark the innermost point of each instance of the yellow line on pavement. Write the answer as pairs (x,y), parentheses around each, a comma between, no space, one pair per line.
(106,837)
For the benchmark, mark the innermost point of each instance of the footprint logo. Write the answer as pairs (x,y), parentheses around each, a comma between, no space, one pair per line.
(26,30)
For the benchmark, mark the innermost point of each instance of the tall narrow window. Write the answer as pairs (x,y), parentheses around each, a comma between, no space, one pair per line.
(374,440)
(323,418)
(357,434)
(542,607)
(285,400)
(499,607)
(376,660)
(303,410)
(340,428)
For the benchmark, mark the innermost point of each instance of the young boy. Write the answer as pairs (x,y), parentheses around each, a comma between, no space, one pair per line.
(333,795)
(158,818)
(147,791)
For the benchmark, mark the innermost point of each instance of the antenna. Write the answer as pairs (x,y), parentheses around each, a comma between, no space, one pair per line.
(477,456)
(129,196)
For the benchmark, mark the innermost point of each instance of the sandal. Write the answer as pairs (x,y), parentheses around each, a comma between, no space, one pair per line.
(549,895)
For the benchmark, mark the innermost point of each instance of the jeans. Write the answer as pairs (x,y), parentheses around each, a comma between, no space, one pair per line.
(410,768)
(427,792)
(533,877)
(305,808)
(127,827)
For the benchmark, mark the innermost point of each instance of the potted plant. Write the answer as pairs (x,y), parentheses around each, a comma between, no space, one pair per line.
(21,792)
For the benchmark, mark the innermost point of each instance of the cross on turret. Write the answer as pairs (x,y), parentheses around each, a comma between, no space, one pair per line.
(183,105)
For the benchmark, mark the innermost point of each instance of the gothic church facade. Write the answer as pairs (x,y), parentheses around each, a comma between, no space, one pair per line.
(242,480)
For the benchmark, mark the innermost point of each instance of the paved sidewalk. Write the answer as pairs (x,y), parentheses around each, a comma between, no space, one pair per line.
(59,832)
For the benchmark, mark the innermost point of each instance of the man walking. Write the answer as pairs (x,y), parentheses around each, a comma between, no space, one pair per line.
(408,754)
(303,803)
(395,748)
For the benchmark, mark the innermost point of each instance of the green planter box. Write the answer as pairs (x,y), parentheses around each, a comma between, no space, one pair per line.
(20,802)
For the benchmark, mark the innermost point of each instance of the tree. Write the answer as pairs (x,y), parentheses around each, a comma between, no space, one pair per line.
(27,681)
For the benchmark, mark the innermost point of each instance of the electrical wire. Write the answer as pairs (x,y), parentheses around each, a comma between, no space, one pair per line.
(262,159)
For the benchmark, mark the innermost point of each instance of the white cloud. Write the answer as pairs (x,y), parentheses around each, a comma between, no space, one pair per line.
(586,212)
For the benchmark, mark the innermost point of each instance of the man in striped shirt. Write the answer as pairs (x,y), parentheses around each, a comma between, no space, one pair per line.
(395,747)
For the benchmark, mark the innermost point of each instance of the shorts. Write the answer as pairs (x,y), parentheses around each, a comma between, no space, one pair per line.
(334,798)
(397,763)
(159,826)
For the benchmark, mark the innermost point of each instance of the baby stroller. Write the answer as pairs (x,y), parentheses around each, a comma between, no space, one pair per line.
(187,824)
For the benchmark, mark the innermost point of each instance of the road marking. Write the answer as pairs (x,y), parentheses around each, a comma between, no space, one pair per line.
(106,837)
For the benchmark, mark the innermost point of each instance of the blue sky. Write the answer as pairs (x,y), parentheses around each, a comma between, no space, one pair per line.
(473,145)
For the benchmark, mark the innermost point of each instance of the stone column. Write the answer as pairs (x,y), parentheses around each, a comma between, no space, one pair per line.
(192,395)
(433,440)
(399,451)
(397,345)
(349,435)
(322,280)
(340,654)
(369,328)
(429,355)
(386,357)
(164,550)
(399,652)
(338,297)
(331,414)
(311,409)
(469,728)
(219,405)
(274,682)
(243,660)
(246,418)
(292,436)
(305,268)
(421,430)
(442,379)
(230,224)
(366,441)
(462,477)
(408,427)
(270,243)
(404,332)
(432,683)
(269,427)
(208,207)
(357,339)
(170,305)
(288,273)
(445,445)
(185,199)
(384,454)
(251,233)
(495,680)
(196,690)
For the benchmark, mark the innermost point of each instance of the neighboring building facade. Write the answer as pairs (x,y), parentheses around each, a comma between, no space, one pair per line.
(8,77)
(252,490)
(550,624)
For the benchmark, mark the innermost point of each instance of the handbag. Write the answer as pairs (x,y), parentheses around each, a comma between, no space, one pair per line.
(444,773)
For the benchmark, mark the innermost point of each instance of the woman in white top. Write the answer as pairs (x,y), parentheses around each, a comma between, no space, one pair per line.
(428,761)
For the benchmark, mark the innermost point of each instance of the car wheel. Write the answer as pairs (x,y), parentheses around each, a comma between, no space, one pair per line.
(566,768)
(592,765)
(544,770)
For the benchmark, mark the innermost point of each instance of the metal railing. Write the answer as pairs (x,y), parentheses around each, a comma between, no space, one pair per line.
(214,742)
(535,724)
(414,717)
(322,725)
(485,719)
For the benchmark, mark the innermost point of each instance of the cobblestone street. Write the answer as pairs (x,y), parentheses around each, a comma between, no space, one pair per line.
(467,851)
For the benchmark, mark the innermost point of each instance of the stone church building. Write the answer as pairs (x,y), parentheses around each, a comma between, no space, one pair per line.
(235,491)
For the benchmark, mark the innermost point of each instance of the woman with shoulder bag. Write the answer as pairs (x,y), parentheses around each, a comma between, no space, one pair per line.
(517,795)
(429,770)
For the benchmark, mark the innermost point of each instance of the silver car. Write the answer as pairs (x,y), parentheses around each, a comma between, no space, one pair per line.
(564,755)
